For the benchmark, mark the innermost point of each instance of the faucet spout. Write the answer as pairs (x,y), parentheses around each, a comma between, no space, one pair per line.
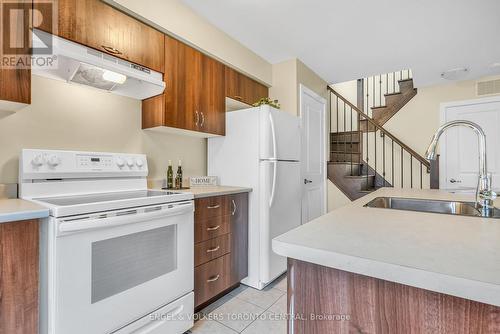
(484,194)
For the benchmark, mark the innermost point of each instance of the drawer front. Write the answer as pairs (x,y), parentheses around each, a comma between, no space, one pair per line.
(210,207)
(211,249)
(211,278)
(211,228)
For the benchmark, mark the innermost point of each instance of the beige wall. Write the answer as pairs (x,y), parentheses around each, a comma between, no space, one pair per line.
(182,22)
(287,77)
(67,116)
(284,86)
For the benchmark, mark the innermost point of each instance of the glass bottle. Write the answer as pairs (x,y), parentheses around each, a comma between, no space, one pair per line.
(170,176)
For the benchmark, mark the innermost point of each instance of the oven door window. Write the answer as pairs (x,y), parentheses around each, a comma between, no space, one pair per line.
(121,263)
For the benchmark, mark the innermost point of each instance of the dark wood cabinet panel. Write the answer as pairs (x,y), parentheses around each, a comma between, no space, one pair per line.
(212,99)
(98,25)
(239,237)
(211,249)
(214,206)
(378,306)
(210,279)
(15,83)
(241,88)
(208,228)
(19,277)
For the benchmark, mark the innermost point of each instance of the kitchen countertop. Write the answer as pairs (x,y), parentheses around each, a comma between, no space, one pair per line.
(17,209)
(200,192)
(455,255)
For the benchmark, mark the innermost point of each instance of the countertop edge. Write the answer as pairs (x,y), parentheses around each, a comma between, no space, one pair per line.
(455,286)
(222,192)
(23,215)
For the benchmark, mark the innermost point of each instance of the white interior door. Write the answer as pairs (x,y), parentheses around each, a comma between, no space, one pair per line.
(459,164)
(312,113)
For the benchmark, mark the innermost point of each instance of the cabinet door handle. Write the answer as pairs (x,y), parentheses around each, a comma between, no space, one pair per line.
(111,49)
(197,118)
(202,119)
(213,279)
(215,228)
(234,207)
(211,250)
(213,207)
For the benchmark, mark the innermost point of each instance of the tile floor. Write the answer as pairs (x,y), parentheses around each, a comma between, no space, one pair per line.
(247,311)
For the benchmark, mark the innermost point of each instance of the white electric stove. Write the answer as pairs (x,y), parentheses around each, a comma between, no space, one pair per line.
(115,257)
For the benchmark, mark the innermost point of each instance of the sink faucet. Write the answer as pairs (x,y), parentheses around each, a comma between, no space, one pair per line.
(484,194)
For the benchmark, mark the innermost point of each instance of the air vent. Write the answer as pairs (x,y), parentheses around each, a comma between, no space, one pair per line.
(489,87)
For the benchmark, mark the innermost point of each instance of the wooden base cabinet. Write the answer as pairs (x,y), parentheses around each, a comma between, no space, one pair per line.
(327,300)
(19,277)
(221,245)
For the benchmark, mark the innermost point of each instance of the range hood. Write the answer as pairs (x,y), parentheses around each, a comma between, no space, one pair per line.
(79,64)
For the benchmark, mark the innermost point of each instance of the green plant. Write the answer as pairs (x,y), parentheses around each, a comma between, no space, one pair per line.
(267,101)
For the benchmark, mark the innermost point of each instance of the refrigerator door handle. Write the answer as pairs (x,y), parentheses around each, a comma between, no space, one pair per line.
(273,133)
(273,188)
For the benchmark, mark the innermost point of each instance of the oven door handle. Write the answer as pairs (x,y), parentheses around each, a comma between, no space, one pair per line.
(93,224)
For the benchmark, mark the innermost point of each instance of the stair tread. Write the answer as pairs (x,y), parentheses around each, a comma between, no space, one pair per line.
(344,163)
(368,191)
(345,152)
(379,107)
(359,176)
(403,80)
(390,94)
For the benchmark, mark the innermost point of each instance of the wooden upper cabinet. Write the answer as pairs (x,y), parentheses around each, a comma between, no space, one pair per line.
(15,82)
(241,88)
(194,93)
(98,25)
(212,101)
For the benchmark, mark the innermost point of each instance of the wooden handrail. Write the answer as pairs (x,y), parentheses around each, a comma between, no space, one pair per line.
(417,156)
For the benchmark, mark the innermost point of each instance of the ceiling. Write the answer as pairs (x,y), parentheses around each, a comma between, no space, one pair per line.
(350,39)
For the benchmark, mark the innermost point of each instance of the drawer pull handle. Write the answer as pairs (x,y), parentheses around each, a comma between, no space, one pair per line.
(213,279)
(211,250)
(111,50)
(215,228)
(213,207)
(234,207)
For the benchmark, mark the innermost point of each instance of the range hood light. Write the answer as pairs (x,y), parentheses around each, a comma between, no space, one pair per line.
(114,77)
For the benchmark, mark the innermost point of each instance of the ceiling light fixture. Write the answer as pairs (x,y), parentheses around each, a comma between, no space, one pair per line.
(455,73)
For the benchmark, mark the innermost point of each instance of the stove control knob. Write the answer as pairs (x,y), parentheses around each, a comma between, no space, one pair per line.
(139,163)
(38,160)
(130,162)
(120,163)
(54,161)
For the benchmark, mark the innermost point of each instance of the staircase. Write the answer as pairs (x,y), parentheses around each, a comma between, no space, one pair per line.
(364,156)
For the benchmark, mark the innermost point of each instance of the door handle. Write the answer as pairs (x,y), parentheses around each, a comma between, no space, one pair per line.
(215,249)
(306,181)
(112,50)
(202,119)
(455,181)
(213,207)
(197,118)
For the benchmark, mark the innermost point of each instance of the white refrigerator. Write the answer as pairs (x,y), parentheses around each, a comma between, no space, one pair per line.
(261,150)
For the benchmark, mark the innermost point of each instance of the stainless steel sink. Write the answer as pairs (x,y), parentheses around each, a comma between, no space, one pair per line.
(428,205)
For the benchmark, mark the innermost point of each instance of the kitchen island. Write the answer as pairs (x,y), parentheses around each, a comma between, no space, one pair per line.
(372,270)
